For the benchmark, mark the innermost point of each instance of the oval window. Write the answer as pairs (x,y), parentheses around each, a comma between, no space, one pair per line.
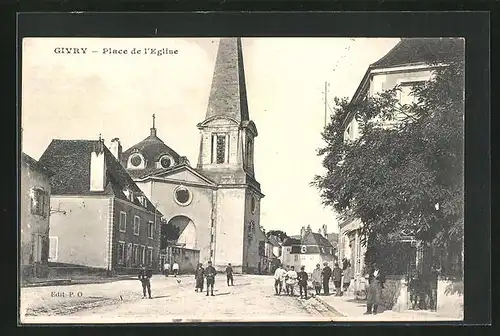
(182,196)
(165,162)
(136,160)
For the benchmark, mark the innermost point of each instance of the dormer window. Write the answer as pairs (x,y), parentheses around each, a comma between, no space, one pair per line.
(165,161)
(142,200)
(136,161)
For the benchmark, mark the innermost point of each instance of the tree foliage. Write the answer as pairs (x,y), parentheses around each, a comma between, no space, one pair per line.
(277,233)
(168,232)
(408,176)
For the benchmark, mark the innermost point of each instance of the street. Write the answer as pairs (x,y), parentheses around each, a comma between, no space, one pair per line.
(250,299)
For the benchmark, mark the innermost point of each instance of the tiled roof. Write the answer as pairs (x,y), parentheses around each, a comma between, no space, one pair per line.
(35,165)
(70,161)
(291,241)
(228,95)
(417,50)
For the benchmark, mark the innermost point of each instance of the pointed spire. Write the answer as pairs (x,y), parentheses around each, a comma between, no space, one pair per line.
(153,129)
(228,95)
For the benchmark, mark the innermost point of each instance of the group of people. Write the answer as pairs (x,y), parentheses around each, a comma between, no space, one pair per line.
(175,269)
(209,273)
(320,278)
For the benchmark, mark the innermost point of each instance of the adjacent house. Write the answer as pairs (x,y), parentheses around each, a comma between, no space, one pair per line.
(310,249)
(404,66)
(107,222)
(35,215)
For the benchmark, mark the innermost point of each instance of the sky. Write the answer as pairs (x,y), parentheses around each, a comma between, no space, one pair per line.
(80,96)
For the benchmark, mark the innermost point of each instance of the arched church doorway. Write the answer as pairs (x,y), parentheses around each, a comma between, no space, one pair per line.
(181,230)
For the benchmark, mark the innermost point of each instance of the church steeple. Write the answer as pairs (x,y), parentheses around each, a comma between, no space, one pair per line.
(227,133)
(228,95)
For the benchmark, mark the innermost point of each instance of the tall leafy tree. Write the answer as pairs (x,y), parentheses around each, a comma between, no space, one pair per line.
(406,177)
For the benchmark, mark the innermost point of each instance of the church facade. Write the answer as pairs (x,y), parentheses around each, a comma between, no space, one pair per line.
(216,204)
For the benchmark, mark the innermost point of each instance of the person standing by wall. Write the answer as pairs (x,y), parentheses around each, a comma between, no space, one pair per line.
(199,276)
(291,280)
(210,275)
(145,276)
(229,275)
(166,268)
(302,278)
(326,274)
(279,278)
(175,268)
(337,278)
(316,279)
(347,277)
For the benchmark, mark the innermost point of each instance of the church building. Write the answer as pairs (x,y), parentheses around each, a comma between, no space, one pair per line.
(215,205)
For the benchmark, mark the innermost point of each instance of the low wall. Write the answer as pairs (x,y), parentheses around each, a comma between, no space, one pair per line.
(450,299)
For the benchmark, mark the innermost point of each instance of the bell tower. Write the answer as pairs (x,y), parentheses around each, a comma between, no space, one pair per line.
(227,156)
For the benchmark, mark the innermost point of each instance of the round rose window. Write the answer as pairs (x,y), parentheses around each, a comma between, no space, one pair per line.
(136,160)
(182,196)
(165,162)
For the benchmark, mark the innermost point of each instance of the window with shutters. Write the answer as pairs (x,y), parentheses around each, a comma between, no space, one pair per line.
(135,255)
(53,247)
(151,228)
(123,221)
(149,256)
(142,255)
(262,248)
(137,225)
(39,201)
(120,253)
(219,148)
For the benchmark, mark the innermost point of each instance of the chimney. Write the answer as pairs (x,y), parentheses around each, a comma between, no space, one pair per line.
(302,233)
(116,148)
(325,232)
(97,167)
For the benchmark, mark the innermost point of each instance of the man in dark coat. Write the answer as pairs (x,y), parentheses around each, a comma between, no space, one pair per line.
(302,277)
(337,278)
(145,276)
(210,275)
(326,273)
(229,275)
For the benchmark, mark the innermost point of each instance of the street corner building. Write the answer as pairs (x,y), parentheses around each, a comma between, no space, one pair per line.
(411,62)
(216,205)
(102,221)
(35,214)
(309,249)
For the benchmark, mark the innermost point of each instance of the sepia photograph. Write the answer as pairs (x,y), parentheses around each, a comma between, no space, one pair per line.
(241,179)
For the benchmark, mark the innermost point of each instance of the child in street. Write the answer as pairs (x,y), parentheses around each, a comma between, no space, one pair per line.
(291,280)
(145,276)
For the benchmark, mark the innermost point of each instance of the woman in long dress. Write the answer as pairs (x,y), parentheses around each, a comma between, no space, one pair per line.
(199,276)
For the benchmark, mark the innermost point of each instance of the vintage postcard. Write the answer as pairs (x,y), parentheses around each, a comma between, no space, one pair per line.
(241,179)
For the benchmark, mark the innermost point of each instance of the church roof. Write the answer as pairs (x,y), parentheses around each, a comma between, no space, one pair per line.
(70,162)
(151,148)
(228,96)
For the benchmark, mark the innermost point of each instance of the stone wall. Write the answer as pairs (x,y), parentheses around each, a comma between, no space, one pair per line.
(450,299)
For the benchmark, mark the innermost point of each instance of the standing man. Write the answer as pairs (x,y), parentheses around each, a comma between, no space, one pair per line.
(302,277)
(229,274)
(279,278)
(337,278)
(175,268)
(326,274)
(291,280)
(145,276)
(210,275)
(166,268)
(316,279)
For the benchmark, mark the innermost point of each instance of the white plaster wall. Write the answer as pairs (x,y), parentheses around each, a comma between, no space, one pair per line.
(83,232)
(229,232)
(188,236)
(199,211)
